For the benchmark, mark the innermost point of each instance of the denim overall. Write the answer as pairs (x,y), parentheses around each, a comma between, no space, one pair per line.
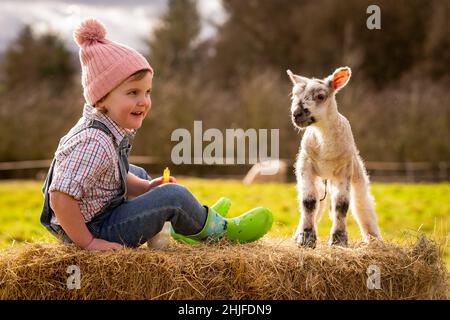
(123,150)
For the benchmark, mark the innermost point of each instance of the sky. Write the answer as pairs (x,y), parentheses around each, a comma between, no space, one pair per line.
(127,22)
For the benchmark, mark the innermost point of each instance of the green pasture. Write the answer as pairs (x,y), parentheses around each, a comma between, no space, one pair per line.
(404,210)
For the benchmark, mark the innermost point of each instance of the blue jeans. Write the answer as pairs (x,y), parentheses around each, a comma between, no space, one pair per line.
(135,221)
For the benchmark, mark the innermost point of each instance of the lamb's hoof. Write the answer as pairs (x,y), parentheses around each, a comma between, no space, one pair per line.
(307,238)
(339,238)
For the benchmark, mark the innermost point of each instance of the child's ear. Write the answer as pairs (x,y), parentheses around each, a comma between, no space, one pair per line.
(340,78)
(295,78)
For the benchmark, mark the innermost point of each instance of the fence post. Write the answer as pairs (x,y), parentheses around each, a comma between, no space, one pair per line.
(409,172)
(443,171)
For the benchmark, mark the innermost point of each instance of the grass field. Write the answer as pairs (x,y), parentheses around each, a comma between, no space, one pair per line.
(403,209)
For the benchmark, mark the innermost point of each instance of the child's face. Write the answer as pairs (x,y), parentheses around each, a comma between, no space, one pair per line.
(129,103)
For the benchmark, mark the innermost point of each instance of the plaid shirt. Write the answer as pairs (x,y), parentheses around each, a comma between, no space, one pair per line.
(87,165)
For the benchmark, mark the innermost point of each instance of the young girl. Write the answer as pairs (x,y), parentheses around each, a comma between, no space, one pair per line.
(92,196)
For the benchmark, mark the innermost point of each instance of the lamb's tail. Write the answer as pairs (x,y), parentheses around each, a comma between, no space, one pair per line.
(362,203)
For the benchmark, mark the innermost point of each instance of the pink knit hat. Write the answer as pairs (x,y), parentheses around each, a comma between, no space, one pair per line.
(104,63)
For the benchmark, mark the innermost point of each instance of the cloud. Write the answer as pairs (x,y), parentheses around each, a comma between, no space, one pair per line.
(127,22)
(127,25)
(212,14)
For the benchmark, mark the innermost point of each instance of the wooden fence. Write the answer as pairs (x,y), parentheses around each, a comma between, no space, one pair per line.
(379,171)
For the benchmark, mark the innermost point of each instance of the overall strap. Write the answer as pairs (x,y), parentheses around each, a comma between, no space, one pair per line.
(92,124)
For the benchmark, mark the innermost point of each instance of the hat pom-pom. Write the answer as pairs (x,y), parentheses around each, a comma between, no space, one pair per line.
(89,30)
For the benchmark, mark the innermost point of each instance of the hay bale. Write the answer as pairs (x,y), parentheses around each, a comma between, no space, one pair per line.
(267,269)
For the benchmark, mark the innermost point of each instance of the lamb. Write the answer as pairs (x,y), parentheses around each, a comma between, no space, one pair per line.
(328,152)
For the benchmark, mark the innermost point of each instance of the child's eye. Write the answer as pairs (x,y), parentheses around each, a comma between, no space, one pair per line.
(132,92)
(148,92)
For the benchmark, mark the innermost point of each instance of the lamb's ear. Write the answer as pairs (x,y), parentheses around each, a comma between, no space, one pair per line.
(295,78)
(340,78)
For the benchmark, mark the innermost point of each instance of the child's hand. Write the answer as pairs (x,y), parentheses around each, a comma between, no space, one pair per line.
(103,245)
(159,181)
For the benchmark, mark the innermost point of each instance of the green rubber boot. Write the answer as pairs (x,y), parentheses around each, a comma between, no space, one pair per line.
(248,227)
(221,207)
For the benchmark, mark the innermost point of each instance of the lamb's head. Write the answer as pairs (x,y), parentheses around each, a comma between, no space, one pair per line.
(312,98)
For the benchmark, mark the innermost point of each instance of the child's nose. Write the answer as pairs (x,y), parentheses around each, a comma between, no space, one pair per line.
(144,102)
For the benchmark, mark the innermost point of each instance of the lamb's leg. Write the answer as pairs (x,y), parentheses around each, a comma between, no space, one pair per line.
(340,199)
(306,234)
(362,203)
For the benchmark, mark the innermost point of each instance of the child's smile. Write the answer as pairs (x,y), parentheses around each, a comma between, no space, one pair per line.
(128,104)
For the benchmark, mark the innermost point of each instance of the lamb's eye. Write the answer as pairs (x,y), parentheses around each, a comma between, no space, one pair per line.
(320,97)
